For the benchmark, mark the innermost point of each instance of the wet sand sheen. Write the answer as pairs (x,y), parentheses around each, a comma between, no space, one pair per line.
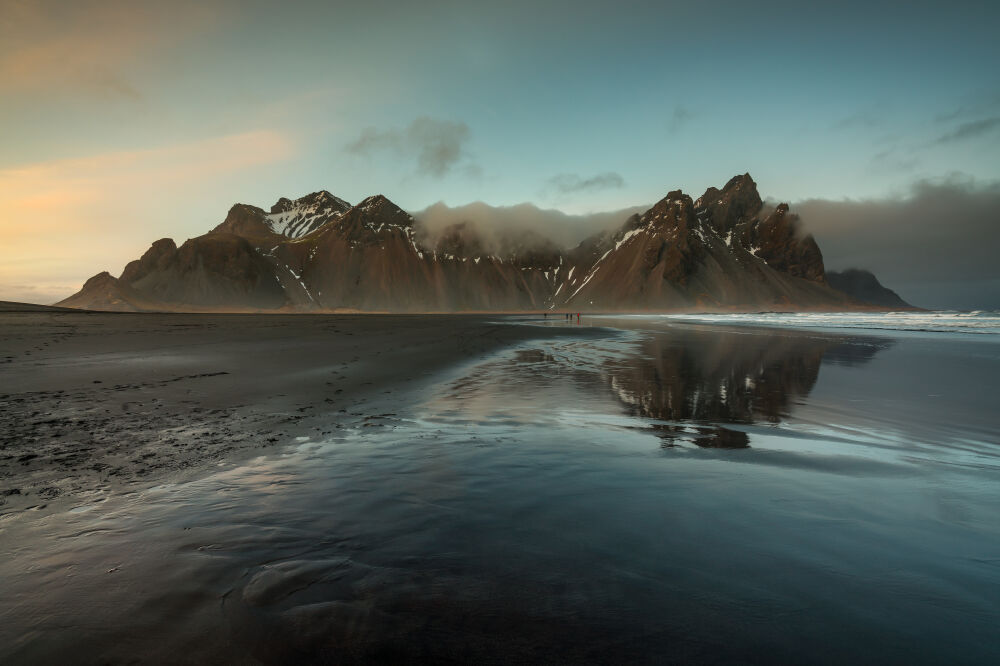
(96,403)
(642,496)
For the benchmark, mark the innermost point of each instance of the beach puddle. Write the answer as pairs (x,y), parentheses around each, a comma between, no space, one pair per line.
(644,496)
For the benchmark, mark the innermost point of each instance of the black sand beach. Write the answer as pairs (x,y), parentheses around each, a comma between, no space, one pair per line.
(92,402)
(473,489)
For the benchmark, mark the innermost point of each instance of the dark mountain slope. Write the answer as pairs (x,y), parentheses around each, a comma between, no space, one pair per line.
(717,251)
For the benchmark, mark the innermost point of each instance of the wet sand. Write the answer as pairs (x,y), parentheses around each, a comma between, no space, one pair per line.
(93,404)
(635,492)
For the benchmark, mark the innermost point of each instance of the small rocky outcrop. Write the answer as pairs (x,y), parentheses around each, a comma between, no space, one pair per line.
(863,286)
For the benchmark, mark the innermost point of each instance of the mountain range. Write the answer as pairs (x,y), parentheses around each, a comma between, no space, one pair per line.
(722,251)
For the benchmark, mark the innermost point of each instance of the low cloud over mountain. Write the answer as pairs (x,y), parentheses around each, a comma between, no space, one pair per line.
(936,245)
(495,221)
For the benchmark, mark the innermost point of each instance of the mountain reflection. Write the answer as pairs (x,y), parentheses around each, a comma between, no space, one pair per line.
(697,381)
(690,385)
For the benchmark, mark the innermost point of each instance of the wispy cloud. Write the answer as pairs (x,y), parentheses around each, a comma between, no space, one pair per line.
(861,119)
(970,130)
(982,103)
(951,116)
(571,183)
(437,146)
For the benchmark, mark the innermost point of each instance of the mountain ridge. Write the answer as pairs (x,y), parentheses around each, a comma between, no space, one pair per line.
(320,253)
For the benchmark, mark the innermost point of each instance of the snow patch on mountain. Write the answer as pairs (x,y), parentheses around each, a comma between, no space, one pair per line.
(295,219)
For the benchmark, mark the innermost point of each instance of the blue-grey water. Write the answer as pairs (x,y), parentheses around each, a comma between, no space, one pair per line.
(664,492)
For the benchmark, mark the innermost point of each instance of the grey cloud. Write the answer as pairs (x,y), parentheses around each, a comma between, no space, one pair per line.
(865,119)
(679,118)
(435,145)
(970,130)
(493,221)
(983,103)
(935,245)
(569,183)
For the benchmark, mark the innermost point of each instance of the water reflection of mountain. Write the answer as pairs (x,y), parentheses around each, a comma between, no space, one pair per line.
(696,381)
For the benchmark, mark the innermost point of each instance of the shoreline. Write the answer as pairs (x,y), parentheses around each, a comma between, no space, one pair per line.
(12,307)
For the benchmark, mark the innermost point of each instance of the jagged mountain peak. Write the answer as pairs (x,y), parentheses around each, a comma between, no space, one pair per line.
(739,182)
(298,218)
(736,203)
(674,199)
(370,220)
(102,278)
(282,205)
(244,220)
(380,209)
(670,211)
(244,209)
(288,218)
(323,196)
(313,201)
(151,259)
(378,203)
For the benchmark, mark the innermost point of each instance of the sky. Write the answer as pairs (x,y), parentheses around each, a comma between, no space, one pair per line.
(124,122)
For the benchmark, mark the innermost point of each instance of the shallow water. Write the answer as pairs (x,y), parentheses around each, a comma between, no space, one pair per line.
(665,492)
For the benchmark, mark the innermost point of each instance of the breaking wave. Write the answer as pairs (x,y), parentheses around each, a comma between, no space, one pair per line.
(981,322)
